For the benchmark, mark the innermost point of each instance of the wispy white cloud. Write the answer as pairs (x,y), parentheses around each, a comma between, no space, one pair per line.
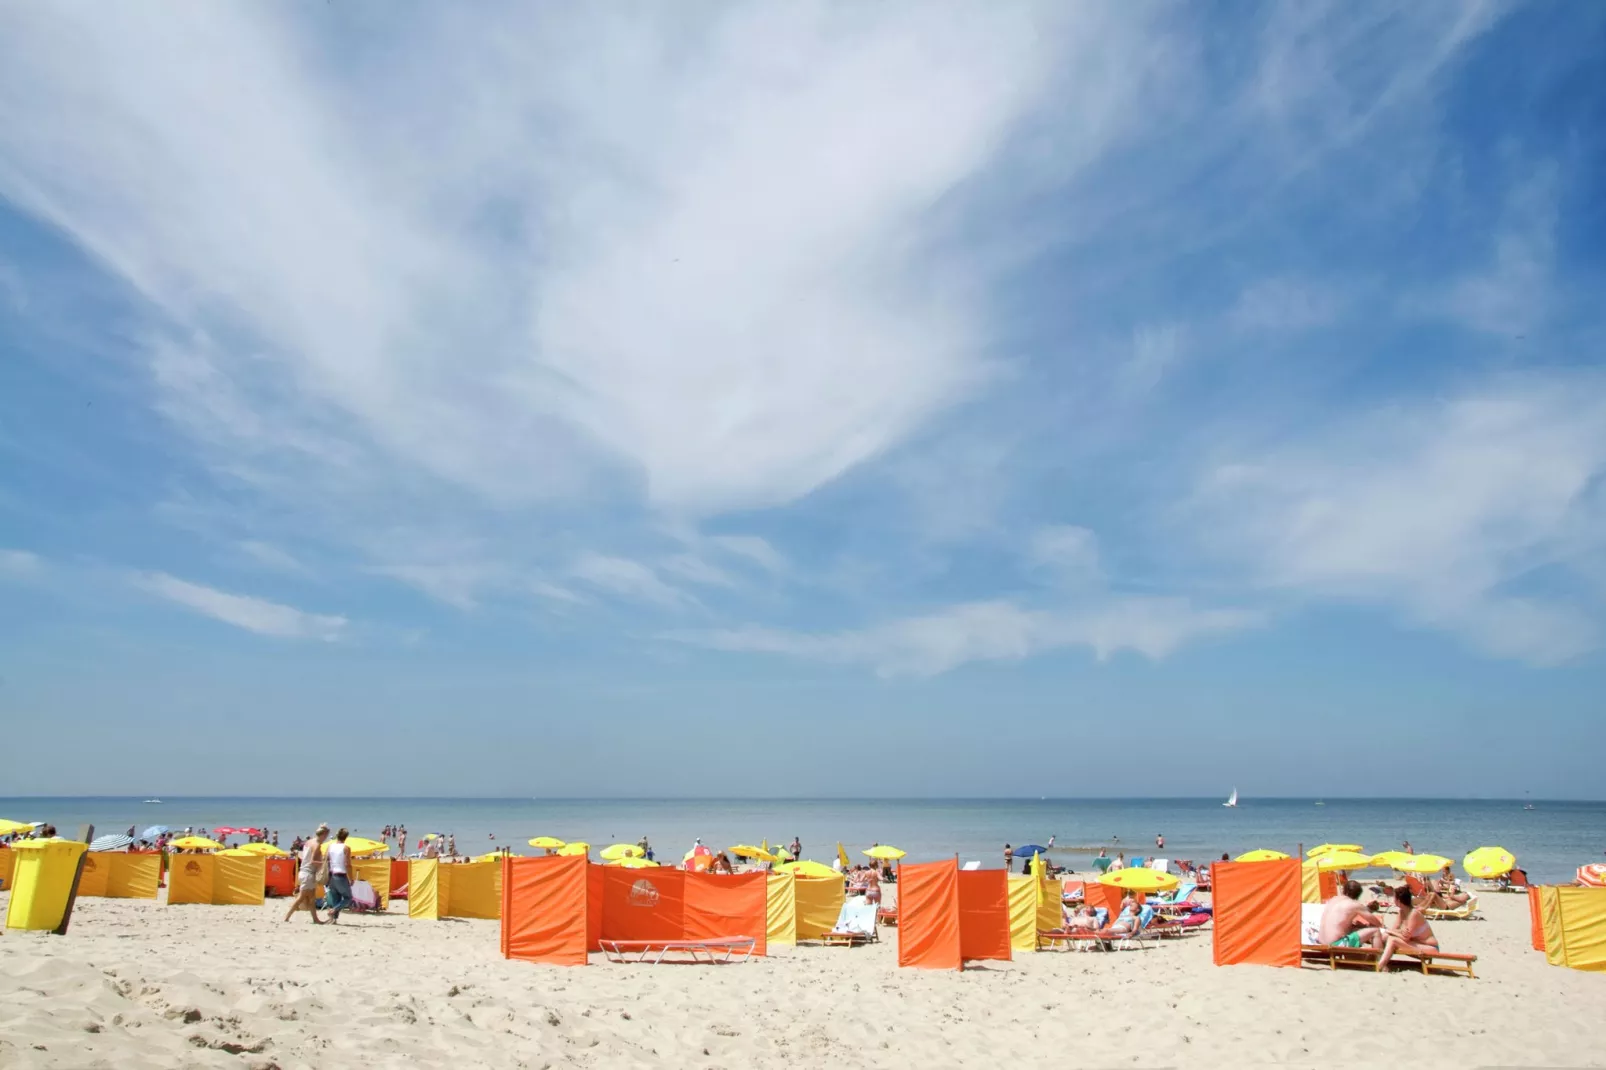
(997,631)
(252,614)
(1282,305)
(273,557)
(1511,293)
(752,548)
(1069,554)
(628,579)
(1434,509)
(456,584)
(20,563)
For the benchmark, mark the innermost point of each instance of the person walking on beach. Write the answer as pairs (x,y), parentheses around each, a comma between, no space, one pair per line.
(339,883)
(1009,857)
(401,841)
(307,879)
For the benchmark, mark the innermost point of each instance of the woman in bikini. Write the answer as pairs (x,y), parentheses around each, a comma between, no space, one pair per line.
(1413,933)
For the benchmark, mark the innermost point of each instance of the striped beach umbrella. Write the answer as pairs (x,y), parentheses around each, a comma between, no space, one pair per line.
(1593,875)
(113,842)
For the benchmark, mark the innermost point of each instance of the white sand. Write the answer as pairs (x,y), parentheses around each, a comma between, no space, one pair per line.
(145,985)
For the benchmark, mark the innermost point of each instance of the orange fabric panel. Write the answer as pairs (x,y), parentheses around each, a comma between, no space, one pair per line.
(928,916)
(545,909)
(1256,912)
(643,904)
(398,874)
(1107,896)
(1536,919)
(984,915)
(726,904)
(1327,880)
(594,885)
(279,876)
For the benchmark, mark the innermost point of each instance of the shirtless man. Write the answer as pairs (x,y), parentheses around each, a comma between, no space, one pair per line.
(307,886)
(1345,923)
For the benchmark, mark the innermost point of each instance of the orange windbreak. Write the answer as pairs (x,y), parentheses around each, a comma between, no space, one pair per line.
(544,909)
(1327,881)
(279,875)
(398,874)
(725,905)
(928,916)
(1536,919)
(594,886)
(643,904)
(983,914)
(1256,912)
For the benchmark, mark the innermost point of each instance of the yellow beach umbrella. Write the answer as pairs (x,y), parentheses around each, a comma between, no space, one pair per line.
(1343,860)
(550,843)
(808,868)
(193,843)
(1489,862)
(747,850)
(359,845)
(634,863)
(1329,848)
(9,827)
(1422,863)
(265,850)
(885,851)
(1261,855)
(493,856)
(842,856)
(576,848)
(235,852)
(1391,859)
(1140,880)
(615,851)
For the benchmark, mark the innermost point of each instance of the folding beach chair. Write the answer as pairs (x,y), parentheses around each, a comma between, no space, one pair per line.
(854,925)
(364,900)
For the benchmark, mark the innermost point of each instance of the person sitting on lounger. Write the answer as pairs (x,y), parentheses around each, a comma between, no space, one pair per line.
(1447,893)
(1412,934)
(1127,922)
(1345,923)
(1084,919)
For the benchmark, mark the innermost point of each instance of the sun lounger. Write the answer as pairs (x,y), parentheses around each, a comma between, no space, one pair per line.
(1365,958)
(708,951)
(1075,939)
(1460,913)
(854,925)
(971,867)
(364,900)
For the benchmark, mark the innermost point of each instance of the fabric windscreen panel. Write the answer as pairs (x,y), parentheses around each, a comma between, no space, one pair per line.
(1257,916)
(720,906)
(422,900)
(928,916)
(237,881)
(780,902)
(279,876)
(189,879)
(400,874)
(376,871)
(1536,919)
(8,864)
(1023,913)
(984,915)
(1050,912)
(96,875)
(819,903)
(1310,883)
(1575,927)
(594,889)
(643,904)
(545,902)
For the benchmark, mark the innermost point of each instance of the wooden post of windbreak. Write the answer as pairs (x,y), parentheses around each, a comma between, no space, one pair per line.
(86,834)
(1301,855)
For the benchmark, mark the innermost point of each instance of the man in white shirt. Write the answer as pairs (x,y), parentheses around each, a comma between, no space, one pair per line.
(339,883)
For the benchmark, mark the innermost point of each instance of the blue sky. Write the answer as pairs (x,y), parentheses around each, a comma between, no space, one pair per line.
(739,399)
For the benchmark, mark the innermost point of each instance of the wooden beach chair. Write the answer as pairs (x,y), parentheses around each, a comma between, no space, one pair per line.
(1365,958)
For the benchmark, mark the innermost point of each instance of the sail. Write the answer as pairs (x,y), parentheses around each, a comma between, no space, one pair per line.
(1232,800)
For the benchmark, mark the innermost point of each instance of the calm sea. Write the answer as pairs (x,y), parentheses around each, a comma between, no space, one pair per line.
(1551,840)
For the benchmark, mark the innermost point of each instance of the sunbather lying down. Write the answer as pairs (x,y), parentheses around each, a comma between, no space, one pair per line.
(1084,918)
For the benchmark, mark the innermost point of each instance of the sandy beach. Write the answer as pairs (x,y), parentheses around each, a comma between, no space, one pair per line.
(139,984)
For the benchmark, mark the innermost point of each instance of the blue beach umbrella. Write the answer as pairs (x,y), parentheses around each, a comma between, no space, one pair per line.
(1029,850)
(154,831)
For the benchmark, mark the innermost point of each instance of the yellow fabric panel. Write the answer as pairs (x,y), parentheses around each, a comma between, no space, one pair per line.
(189,879)
(97,872)
(42,878)
(422,901)
(238,881)
(472,890)
(1550,917)
(8,862)
(780,925)
(376,871)
(1023,912)
(1310,883)
(1049,913)
(1581,919)
(818,902)
(134,876)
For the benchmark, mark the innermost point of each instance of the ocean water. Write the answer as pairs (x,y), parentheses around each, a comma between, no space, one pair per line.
(1551,841)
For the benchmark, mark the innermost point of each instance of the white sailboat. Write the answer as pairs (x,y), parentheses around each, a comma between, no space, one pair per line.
(1232,800)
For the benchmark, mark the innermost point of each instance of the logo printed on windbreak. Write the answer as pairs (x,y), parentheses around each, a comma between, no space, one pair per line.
(192,868)
(89,864)
(643,894)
